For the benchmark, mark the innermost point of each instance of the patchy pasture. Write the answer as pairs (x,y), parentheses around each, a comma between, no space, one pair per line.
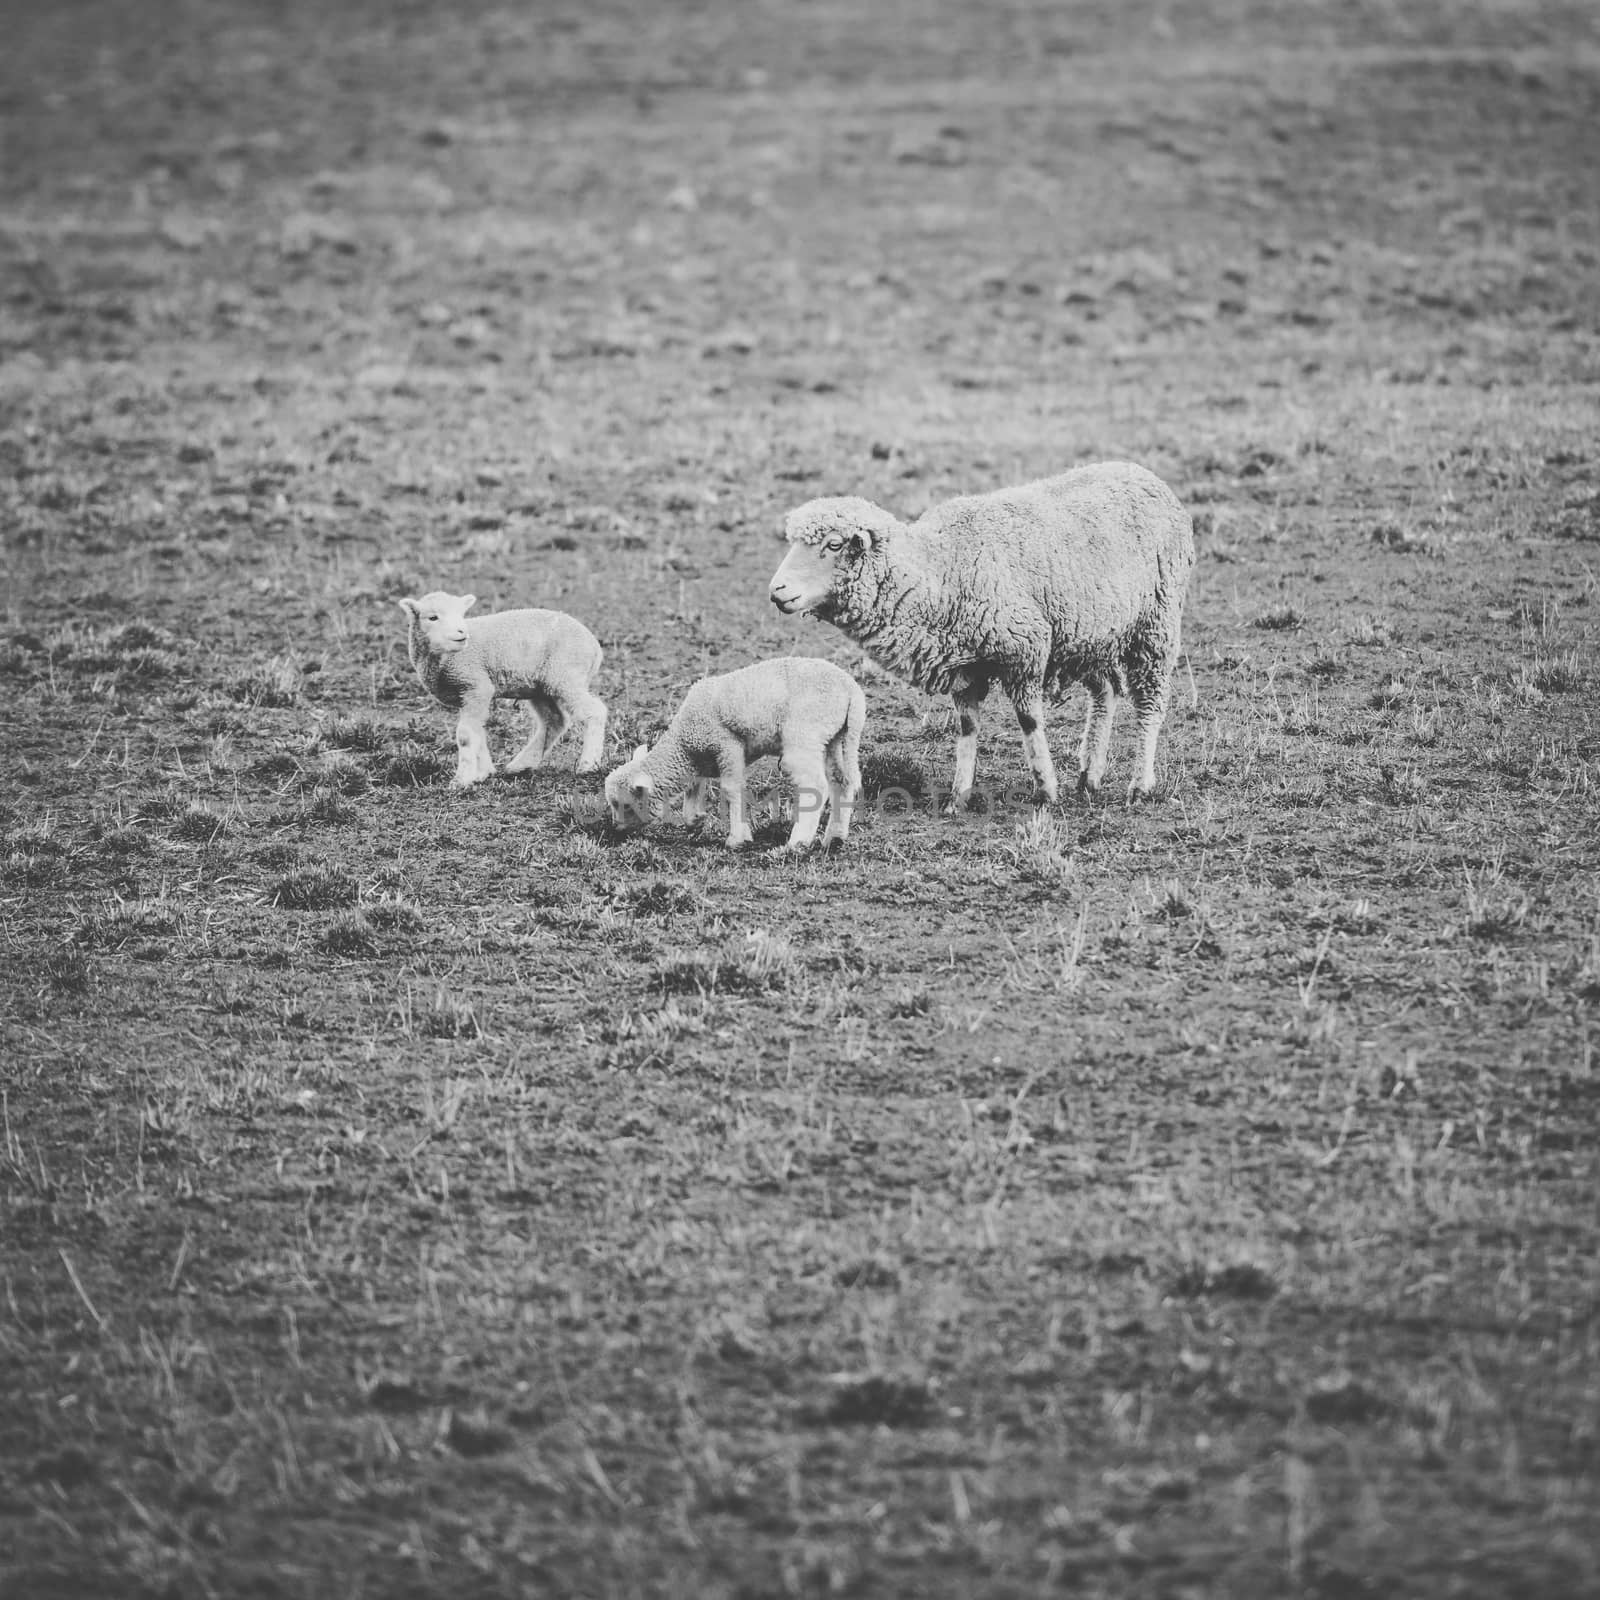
(409,1191)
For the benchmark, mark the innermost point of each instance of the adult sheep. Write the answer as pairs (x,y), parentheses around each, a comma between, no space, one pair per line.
(1078,578)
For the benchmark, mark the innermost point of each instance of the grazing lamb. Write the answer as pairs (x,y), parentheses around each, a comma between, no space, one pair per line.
(1073,579)
(544,657)
(808,712)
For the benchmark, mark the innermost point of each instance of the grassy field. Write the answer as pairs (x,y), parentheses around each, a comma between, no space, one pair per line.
(411,1192)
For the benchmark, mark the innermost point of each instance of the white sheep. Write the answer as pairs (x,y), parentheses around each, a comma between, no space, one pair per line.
(543,657)
(809,713)
(1078,578)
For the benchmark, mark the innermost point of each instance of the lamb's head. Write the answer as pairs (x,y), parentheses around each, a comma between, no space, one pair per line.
(828,540)
(441,619)
(631,793)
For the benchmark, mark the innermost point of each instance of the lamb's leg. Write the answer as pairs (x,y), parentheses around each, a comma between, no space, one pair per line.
(1036,747)
(1096,743)
(694,802)
(805,769)
(844,786)
(473,761)
(969,706)
(547,728)
(590,715)
(730,773)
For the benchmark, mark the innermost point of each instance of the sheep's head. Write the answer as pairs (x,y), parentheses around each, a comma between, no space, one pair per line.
(442,620)
(631,793)
(827,539)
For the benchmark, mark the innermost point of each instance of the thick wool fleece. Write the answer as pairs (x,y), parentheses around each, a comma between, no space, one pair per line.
(1078,578)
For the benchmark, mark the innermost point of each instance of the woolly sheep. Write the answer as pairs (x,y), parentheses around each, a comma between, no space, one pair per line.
(809,713)
(1078,578)
(544,657)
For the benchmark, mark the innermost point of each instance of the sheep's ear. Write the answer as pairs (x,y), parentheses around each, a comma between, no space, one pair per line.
(641,752)
(409,607)
(468,601)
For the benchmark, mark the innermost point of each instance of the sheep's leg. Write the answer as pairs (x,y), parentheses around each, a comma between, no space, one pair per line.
(590,715)
(547,728)
(730,773)
(969,707)
(694,802)
(805,769)
(1096,743)
(1036,747)
(473,761)
(1148,691)
(844,788)
(700,800)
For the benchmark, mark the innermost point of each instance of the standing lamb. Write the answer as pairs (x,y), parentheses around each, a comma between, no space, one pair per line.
(810,713)
(544,657)
(1078,578)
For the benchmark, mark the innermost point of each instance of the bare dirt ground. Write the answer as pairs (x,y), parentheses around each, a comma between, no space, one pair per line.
(410,1192)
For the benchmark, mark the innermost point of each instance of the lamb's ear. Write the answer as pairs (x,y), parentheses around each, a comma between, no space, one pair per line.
(641,752)
(409,607)
(468,601)
(642,786)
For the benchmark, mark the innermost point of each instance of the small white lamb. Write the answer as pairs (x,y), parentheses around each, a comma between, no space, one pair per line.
(1078,578)
(543,657)
(809,713)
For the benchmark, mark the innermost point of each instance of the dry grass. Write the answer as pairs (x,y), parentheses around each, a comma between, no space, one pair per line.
(411,1191)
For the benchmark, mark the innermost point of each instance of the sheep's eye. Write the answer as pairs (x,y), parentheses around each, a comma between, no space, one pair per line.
(834,546)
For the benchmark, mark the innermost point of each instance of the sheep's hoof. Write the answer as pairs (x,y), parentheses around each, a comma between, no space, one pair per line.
(833,844)
(1088,788)
(956,804)
(1043,797)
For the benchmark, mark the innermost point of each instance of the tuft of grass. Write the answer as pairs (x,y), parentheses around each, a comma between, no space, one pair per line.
(348,934)
(1558,673)
(659,897)
(199,824)
(394,914)
(450,1016)
(758,963)
(136,650)
(648,1038)
(316,888)
(1041,849)
(279,764)
(327,804)
(886,770)
(156,917)
(353,733)
(343,775)
(276,682)
(1280,619)
(411,767)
